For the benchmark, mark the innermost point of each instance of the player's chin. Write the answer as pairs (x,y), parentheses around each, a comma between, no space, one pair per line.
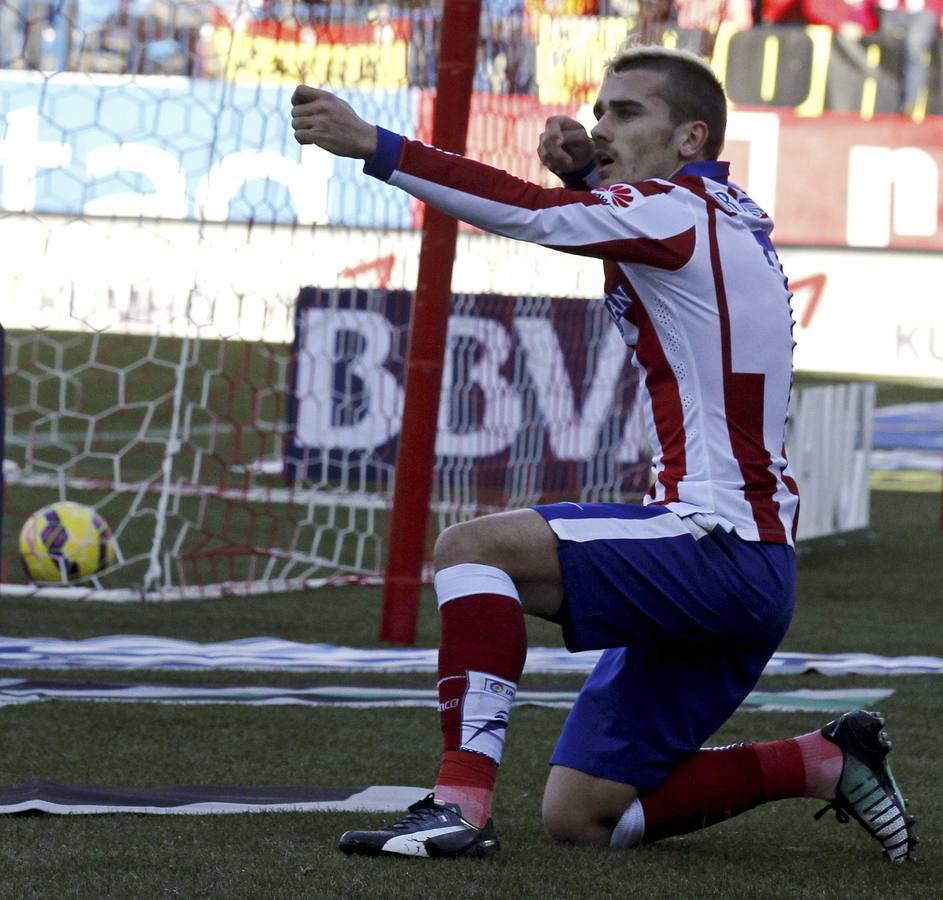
(609,175)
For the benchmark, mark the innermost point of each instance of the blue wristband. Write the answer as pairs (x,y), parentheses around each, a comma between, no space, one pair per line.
(386,157)
(574,179)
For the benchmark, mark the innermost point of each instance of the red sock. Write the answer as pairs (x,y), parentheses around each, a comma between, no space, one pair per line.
(823,764)
(481,657)
(468,780)
(714,785)
(707,788)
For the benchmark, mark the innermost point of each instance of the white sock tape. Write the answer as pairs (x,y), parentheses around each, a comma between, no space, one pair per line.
(473,578)
(486,707)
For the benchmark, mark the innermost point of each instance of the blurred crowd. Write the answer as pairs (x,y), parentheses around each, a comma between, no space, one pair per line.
(196,37)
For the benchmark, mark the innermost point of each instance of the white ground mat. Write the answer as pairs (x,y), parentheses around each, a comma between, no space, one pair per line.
(182,799)
(274,654)
(15,692)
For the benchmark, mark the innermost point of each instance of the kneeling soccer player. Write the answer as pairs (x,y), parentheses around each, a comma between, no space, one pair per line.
(689,594)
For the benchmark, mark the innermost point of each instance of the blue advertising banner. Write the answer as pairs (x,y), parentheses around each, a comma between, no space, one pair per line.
(180,148)
(539,398)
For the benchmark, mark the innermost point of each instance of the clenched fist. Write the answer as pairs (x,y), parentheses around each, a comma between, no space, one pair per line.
(319,117)
(564,146)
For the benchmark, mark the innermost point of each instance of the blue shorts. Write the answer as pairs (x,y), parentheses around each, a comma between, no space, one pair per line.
(687,625)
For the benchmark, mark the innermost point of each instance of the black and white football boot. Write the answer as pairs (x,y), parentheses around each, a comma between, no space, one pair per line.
(866,789)
(432,829)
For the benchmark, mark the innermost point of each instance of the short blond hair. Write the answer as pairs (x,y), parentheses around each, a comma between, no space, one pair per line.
(691,89)
(632,50)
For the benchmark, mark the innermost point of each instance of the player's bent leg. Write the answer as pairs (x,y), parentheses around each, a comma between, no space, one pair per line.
(479,567)
(843,763)
(487,572)
(481,657)
(579,808)
(520,544)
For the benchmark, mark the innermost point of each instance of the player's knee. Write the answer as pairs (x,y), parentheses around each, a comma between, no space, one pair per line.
(459,543)
(557,824)
(568,824)
(579,808)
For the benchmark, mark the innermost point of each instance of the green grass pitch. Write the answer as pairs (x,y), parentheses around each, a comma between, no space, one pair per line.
(879,595)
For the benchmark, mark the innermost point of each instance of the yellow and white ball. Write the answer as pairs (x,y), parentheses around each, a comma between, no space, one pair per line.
(66,542)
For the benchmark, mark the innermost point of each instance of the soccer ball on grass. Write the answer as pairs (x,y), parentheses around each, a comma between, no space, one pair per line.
(66,542)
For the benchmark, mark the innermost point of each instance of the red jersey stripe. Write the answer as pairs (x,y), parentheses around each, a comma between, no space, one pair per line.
(744,406)
(662,387)
(669,253)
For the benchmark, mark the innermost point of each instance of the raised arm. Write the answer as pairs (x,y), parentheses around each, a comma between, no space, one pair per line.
(635,223)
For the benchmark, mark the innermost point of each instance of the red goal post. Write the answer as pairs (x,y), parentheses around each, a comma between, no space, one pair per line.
(427,336)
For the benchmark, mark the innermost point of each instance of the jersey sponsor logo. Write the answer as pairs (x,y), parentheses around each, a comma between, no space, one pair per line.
(617,302)
(752,207)
(620,195)
(741,203)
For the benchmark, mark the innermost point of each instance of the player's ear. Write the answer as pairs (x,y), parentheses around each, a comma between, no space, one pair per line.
(692,138)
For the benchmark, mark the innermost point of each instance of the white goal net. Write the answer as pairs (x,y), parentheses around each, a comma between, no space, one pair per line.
(205,327)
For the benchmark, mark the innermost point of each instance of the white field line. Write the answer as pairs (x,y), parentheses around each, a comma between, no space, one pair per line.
(165,595)
(129,434)
(249,495)
(287,496)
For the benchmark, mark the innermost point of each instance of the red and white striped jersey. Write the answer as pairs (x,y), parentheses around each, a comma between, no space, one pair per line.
(693,283)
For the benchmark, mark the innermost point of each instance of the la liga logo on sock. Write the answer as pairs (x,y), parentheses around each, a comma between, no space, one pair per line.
(502,688)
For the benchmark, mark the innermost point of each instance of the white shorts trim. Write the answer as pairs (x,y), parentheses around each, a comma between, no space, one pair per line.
(652,528)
